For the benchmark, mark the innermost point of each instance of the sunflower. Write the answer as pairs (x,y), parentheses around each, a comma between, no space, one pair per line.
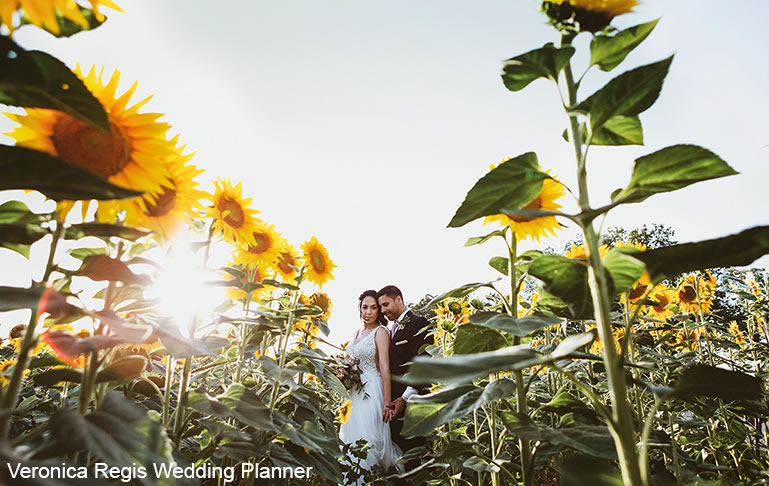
(323,301)
(232,214)
(695,294)
(638,291)
(455,311)
(662,297)
(252,275)
(5,365)
(524,227)
(319,265)
(133,156)
(265,249)
(579,252)
(166,212)
(42,13)
(585,15)
(286,262)
(688,338)
(734,330)
(344,412)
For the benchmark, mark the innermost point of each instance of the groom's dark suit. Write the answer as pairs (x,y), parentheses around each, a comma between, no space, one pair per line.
(404,345)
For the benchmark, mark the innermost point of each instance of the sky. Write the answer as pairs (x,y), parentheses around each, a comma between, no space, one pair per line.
(366,123)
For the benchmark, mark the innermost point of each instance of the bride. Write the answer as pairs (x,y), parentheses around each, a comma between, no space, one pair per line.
(371,345)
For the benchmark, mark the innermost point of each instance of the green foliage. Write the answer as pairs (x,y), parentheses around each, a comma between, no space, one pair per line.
(546,62)
(607,52)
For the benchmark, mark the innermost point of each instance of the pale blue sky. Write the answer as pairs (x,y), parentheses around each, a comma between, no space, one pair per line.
(365,123)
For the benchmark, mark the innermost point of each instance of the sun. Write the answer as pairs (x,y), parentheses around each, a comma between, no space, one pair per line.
(534,228)
(134,156)
(233,216)
(319,265)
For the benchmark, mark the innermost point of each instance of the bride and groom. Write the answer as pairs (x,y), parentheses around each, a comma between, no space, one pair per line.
(377,411)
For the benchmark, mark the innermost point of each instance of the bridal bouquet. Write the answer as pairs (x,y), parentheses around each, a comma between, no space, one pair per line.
(347,369)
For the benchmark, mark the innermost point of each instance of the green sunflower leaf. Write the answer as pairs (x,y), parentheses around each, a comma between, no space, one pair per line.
(734,250)
(546,62)
(38,80)
(24,168)
(565,279)
(426,413)
(500,264)
(607,52)
(459,292)
(103,231)
(511,185)
(472,338)
(67,27)
(477,240)
(517,327)
(623,269)
(12,298)
(672,168)
(628,94)
(701,380)
(18,237)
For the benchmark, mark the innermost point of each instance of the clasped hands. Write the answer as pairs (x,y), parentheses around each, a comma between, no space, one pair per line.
(394,409)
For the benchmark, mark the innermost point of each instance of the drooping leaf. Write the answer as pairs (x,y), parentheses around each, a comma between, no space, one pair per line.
(459,292)
(465,368)
(565,279)
(670,169)
(312,437)
(628,94)
(123,368)
(426,413)
(477,240)
(19,236)
(607,52)
(511,185)
(578,470)
(237,402)
(104,231)
(38,80)
(12,298)
(54,376)
(623,269)
(700,380)
(500,264)
(517,327)
(24,168)
(102,267)
(734,250)
(472,338)
(17,212)
(546,62)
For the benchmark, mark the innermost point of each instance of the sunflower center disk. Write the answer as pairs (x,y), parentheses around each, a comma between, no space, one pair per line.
(261,246)
(535,204)
(232,213)
(89,147)
(164,203)
(687,294)
(318,262)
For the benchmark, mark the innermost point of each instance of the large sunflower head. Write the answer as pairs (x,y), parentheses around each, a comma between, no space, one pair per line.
(287,262)
(525,227)
(265,249)
(344,412)
(662,297)
(319,265)
(166,212)
(232,213)
(695,294)
(134,155)
(323,301)
(585,15)
(42,13)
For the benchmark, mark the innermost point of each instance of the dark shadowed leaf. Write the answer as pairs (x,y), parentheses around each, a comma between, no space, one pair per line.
(517,327)
(24,168)
(608,51)
(102,267)
(701,380)
(426,413)
(672,168)
(123,368)
(38,80)
(103,231)
(511,185)
(578,470)
(19,236)
(54,376)
(626,95)
(546,62)
(237,402)
(735,250)
(472,338)
(12,298)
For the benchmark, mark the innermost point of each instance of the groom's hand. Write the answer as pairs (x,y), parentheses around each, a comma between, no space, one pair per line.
(399,407)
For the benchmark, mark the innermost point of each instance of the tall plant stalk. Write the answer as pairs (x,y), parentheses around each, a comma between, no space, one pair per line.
(621,425)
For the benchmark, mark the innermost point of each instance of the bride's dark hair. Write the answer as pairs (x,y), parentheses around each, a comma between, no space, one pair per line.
(380,318)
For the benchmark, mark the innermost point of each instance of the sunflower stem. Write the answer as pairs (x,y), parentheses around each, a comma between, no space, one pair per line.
(11,394)
(621,426)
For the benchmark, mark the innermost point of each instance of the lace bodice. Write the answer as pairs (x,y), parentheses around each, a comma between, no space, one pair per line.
(365,351)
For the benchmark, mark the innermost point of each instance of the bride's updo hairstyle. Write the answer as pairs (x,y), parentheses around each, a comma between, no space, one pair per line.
(380,318)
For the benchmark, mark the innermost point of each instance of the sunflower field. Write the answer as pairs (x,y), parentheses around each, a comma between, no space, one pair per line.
(612,363)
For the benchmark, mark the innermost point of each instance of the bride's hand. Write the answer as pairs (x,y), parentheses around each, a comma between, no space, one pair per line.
(387,411)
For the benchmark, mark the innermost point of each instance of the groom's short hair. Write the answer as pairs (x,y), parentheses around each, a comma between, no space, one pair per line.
(390,291)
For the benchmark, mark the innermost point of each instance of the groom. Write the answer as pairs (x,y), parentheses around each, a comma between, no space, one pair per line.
(406,341)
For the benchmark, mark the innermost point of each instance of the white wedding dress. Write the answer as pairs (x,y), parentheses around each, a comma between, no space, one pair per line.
(365,419)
